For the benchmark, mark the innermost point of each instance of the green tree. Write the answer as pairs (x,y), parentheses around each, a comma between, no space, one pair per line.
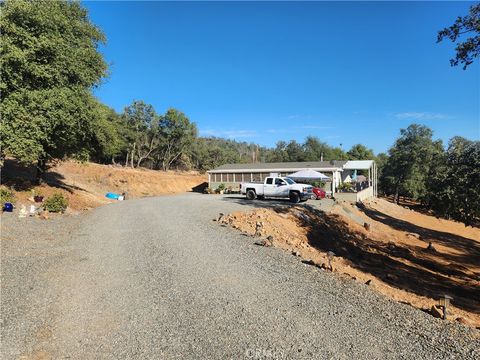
(315,149)
(468,50)
(360,152)
(453,188)
(279,153)
(381,160)
(294,151)
(143,133)
(50,62)
(109,140)
(177,134)
(409,161)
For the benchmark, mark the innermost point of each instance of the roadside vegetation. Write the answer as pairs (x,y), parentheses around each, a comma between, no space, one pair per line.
(51,62)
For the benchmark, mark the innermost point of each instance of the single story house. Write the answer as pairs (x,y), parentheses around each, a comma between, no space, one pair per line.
(231,175)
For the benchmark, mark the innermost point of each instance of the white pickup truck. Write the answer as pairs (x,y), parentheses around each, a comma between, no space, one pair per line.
(277,187)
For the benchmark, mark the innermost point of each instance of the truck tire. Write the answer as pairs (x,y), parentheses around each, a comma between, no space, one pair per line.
(251,195)
(294,197)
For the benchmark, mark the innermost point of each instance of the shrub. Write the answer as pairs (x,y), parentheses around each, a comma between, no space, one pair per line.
(56,203)
(319,184)
(345,187)
(6,195)
(221,187)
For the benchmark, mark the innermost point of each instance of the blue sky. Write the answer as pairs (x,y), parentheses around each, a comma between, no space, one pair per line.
(347,72)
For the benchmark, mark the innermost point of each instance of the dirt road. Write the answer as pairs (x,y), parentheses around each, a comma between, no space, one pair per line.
(156,278)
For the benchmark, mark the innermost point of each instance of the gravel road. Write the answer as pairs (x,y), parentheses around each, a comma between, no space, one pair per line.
(156,278)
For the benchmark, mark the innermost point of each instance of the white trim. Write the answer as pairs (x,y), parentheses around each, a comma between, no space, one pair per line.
(272,170)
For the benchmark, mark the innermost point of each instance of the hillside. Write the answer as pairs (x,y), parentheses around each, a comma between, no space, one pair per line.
(393,256)
(85,185)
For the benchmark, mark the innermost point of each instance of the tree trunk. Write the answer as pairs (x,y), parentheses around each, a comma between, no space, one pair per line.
(396,197)
(140,159)
(132,156)
(126,159)
(41,170)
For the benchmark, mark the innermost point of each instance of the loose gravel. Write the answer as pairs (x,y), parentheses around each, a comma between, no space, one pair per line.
(156,278)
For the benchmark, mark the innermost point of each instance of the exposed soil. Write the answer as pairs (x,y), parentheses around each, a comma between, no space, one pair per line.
(85,185)
(392,256)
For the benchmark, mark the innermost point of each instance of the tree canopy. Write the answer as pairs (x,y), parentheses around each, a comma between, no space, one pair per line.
(469,49)
(50,63)
(454,189)
(409,161)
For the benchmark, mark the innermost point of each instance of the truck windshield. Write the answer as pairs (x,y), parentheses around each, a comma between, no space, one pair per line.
(289,181)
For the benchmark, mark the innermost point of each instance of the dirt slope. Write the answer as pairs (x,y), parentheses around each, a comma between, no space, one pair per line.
(392,254)
(86,184)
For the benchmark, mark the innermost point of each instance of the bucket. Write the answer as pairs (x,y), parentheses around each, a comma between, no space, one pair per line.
(8,207)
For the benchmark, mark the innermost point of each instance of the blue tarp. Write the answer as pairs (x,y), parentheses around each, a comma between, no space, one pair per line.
(112,196)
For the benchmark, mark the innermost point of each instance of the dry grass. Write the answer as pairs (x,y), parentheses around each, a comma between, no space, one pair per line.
(85,185)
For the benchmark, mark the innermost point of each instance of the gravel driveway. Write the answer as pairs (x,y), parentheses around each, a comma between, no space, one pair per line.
(156,278)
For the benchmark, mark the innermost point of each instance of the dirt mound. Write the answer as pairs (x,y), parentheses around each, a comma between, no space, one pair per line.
(85,185)
(408,262)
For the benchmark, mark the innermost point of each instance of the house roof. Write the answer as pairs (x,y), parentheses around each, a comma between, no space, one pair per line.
(281,166)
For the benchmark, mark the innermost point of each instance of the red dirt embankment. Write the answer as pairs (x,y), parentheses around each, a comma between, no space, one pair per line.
(393,254)
(85,185)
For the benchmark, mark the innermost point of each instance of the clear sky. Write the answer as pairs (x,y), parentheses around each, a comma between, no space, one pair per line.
(347,72)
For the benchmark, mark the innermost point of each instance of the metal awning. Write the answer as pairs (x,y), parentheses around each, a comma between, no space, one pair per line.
(358,165)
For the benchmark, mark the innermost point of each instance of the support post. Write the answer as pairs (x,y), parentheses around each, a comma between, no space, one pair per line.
(333,183)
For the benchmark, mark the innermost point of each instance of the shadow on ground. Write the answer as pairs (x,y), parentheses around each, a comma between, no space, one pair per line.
(470,249)
(24,177)
(409,268)
(200,188)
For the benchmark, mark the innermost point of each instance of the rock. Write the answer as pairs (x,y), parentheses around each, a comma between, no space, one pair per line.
(366,226)
(430,247)
(463,321)
(415,235)
(308,262)
(44,215)
(391,277)
(220,216)
(368,282)
(263,242)
(436,312)
(270,238)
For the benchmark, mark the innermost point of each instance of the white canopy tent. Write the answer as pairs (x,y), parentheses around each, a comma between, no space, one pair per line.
(308,174)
